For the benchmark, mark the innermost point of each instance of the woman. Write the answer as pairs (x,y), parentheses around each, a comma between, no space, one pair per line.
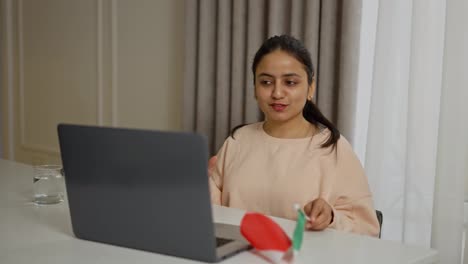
(296,155)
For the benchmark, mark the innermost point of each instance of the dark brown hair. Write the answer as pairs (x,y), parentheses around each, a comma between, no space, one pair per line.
(296,49)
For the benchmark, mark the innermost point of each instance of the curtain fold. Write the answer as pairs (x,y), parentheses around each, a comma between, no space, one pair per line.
(452,145)
(222,38)
(255,36)
(416,148)
(387,131)
(404,117)
(206,72)
(223,75)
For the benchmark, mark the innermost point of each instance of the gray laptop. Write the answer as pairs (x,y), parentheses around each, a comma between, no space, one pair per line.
(143,189)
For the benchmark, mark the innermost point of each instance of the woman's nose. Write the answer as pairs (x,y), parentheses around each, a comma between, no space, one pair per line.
(277,92)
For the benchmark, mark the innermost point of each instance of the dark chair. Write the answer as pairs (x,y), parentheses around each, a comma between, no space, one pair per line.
(380,218)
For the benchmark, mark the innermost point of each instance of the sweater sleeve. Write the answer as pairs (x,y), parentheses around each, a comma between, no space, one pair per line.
(351,199)
(216,179)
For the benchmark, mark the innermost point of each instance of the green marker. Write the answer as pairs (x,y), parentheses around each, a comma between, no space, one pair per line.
(299,230)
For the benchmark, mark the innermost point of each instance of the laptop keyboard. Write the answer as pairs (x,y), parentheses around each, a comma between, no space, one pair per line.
(222,241)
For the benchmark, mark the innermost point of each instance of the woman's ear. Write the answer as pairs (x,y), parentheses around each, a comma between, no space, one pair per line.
(311,90)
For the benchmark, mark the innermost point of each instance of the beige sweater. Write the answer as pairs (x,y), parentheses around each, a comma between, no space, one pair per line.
(257,172)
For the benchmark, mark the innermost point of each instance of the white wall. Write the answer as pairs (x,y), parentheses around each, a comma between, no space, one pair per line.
(101,62)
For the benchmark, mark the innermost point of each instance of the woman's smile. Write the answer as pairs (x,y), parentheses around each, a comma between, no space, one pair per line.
(278,107)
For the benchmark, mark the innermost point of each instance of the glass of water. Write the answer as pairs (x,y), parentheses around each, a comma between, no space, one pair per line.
(48,184)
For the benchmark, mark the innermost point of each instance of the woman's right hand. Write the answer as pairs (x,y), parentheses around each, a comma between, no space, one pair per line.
(211,165)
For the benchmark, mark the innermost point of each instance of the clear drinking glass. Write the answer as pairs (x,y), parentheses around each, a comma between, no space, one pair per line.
(48,184)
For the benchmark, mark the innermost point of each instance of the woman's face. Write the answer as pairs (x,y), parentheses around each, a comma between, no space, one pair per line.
(281,87)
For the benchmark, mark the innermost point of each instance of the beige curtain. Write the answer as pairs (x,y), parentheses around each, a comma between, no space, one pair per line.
(222,38)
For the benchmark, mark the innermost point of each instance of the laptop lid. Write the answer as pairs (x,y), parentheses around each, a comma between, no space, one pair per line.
(140,189)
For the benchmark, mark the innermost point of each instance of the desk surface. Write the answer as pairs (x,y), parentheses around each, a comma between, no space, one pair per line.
(43,234)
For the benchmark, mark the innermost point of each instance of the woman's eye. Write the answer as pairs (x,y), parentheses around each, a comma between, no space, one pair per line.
(265,82)
(291,83)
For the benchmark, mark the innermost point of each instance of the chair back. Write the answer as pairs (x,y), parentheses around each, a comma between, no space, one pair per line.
(380,218)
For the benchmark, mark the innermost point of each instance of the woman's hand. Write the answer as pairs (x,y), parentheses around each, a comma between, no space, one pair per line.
(211,165)
(320,213)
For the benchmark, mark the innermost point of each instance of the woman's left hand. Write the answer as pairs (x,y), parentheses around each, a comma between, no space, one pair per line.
(320,213)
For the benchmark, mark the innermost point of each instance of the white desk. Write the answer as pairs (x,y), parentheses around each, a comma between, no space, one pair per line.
(32,234)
